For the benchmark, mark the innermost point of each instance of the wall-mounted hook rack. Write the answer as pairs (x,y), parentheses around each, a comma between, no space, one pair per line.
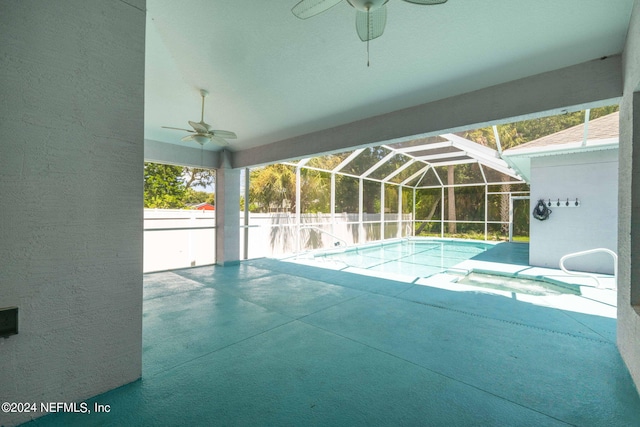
(564,202)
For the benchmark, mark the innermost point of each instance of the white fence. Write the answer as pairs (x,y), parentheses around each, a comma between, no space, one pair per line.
(186,238)
(178,238)
(280,234)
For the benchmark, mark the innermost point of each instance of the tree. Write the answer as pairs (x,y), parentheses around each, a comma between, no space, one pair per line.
(517,133)
(193,197)
(347,190)
(163,186)
(167,186)
(273,187)
(195,177)
(315,191)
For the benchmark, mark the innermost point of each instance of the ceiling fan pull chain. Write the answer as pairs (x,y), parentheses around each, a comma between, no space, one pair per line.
(368,32)
(367,53)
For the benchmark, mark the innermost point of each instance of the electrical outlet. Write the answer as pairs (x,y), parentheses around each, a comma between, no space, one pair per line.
(8,321)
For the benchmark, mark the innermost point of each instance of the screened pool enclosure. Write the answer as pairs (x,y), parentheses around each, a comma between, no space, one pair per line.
(441,186)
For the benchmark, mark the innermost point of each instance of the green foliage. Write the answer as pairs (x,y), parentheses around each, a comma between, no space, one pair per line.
(347,194)
(390,199)
(517,133)
(514,134)
(163,186)
(370,196)
(193,197)
(195,177)
(171,187)
(273,187)
(315,191)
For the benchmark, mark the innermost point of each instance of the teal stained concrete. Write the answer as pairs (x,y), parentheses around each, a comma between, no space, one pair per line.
(275,343)
(506,252)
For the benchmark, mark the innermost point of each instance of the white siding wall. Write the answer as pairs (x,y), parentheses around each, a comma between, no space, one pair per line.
(593,179)
(71,175)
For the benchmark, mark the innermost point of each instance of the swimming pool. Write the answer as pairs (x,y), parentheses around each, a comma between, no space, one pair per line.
(496,268)
(407,257)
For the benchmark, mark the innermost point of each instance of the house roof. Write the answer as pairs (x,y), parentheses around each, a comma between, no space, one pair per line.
(601,134)
(603,128)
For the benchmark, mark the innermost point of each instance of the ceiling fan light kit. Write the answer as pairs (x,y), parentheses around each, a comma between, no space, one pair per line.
(200,139)
(371,15)
(202,132)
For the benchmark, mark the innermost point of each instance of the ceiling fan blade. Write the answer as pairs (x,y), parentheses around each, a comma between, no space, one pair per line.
(187,138)
(199,127)
(169,127)
(308,8)
(426,2)
(219,141)
(370,25)
(224,134)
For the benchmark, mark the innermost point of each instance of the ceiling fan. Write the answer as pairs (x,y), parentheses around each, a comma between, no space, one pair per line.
(371,15)
(202,132)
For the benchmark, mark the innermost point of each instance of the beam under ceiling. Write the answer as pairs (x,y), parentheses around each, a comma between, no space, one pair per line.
(590,84)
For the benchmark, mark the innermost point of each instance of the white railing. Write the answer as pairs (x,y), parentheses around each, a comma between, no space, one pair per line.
(593,276)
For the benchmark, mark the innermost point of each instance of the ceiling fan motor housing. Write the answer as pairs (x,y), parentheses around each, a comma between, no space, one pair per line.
(367,5)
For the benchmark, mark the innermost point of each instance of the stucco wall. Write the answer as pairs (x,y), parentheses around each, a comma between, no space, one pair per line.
(629,203)
(592,178)
(71,168)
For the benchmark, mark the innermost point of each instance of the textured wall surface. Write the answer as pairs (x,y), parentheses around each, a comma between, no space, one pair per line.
(227,214)
(629,203)
(593,179)
(71,167)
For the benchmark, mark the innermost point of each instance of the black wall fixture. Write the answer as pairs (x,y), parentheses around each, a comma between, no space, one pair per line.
(8,321)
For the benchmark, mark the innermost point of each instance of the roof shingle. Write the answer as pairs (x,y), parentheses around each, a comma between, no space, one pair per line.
(605,127)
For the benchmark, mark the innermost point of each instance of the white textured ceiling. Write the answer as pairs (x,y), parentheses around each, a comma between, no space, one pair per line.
(272,76)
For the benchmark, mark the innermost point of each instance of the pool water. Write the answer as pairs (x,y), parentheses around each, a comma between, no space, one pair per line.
(417,258)
(467,265)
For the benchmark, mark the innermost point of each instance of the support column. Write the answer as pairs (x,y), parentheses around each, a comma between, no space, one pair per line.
(72,139)
(413,214)
(382,201)
(629,235)
(628,337)
(332,207)
(247,184)
(227,212)
(361,237)
(486,210)
(442,212)
(298,220)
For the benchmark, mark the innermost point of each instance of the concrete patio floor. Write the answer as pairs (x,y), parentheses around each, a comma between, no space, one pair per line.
(275,343)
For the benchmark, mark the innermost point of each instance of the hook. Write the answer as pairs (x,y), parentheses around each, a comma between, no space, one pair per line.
(549,202)
(567,204)
(577,204)
(558,204)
